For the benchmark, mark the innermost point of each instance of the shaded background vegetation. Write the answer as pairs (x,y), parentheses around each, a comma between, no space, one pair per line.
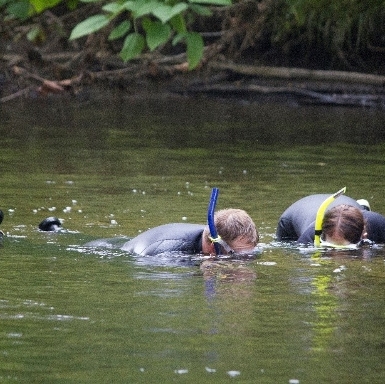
(317,34)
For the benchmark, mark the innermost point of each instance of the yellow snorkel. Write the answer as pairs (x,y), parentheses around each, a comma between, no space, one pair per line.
(320,216)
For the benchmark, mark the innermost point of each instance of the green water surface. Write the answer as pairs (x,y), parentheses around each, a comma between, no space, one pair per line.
(120,165)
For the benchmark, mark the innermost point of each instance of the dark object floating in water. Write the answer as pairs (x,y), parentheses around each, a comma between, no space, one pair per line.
(1,220)
(50,224)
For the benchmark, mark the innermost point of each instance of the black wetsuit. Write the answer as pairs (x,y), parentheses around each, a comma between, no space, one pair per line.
(297,222)
(175,237)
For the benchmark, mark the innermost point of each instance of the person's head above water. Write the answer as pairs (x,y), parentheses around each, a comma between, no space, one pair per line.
(236,228)
(343,225)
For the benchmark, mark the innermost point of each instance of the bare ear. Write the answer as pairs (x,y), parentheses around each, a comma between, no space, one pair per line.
(208,247)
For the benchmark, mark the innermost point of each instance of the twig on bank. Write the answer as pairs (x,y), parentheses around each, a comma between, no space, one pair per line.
(15,95)
(47,86)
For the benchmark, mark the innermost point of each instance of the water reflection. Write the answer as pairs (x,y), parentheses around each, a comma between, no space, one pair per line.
(183,123)
(87,315)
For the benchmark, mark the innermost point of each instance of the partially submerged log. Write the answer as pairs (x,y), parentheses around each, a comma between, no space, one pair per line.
(300,73)
(303,96)
(305,86)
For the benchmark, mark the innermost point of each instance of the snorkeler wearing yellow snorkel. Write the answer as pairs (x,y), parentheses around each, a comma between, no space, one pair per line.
(330,220)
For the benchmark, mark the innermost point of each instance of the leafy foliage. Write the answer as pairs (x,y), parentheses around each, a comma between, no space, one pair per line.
(146,23)
(150,23)
(340,27)
(344,31)
(41,5)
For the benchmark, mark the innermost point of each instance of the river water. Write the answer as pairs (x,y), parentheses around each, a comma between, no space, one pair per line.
(118,165)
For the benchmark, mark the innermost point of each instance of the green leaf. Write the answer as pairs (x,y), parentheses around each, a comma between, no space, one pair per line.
(143,7)
(120,30)
(132,47)
(178,38)
(200,10)
(89,25)
(157,33)
(195,47)
(42,5)
(113,8)
(212,2)
(178,23)
(72,4)
(19,9)
(35,34)
(165,12)
(129,5)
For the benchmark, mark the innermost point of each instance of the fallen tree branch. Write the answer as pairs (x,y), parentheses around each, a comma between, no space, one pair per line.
(300,73)
(305,95)
(15,95)
(46,86)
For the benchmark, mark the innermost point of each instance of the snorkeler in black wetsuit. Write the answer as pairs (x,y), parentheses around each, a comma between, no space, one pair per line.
(236,227)
(297,223)
(238,231)
(175,237)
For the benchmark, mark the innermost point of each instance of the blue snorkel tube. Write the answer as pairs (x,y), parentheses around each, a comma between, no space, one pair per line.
(210,218)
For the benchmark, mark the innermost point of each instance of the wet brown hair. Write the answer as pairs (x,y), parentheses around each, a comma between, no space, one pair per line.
(344,220)
(235,223)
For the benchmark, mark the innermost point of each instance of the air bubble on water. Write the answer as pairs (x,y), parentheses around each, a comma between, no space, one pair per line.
(181,371)
(233,373)
(340,269)
(269,263)
(14,335)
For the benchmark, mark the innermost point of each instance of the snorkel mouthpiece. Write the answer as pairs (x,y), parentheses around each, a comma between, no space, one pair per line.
(321,213)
